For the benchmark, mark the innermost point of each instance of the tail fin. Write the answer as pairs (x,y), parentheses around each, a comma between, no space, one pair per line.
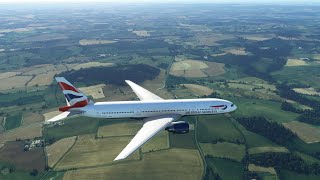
(74,97)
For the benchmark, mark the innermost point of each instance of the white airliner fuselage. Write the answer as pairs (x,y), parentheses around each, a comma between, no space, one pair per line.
(157,113)
(141,109)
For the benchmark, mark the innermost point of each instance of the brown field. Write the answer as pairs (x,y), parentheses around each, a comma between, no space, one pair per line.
(91,64)
(43,79)
(30,118)
(307,91)
(156,85)
(257,150)
(25,132)
(50,115)
(257,37)
(236,51)
(215,69)
(87,42)
(120,129)
(296,62)
(219,54)
(95,91)
(193,68)
(224,150)
(8,74)
(12,152)
(58,149)
(198,89)
(14,82)
(142,33)
(118,93)
(254,168)
(158,142)
(166,164)
(316,57)
(306,132)
(89,151)
(39,69)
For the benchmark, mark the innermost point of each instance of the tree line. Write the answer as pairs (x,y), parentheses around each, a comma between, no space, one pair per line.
(272,130)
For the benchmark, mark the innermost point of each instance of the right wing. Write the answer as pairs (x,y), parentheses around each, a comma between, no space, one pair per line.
(142,93)
(150,128)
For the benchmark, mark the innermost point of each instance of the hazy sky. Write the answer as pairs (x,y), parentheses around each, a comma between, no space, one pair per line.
(162,1)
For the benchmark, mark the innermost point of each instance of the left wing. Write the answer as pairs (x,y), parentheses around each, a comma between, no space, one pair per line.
(143,94)
(150,128)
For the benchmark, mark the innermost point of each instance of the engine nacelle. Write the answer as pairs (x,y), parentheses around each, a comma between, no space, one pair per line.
(179,127)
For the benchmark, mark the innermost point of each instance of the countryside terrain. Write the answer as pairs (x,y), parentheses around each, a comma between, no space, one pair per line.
(265,59)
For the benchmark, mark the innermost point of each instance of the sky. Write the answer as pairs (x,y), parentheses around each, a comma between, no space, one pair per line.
(158,1)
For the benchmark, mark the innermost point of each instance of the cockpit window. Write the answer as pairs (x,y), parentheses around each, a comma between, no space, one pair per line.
(225,107)
(232,105)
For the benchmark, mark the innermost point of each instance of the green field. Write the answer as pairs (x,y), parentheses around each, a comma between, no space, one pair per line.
(217,128)
(289,175)
(224,150)
(15,174)
(299,75)
(72,127)
(268,109)
(184,141)
(255,140)
(227,169)
(13,121)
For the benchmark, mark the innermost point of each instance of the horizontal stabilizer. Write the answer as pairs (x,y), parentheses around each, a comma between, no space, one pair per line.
(62,116)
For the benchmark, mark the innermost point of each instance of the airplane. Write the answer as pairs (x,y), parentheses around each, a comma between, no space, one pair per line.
(157,113)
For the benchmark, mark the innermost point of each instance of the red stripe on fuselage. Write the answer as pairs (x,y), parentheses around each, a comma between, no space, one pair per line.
(65,86)
(76,105)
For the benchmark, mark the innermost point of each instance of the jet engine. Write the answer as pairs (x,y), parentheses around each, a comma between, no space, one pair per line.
(179,127)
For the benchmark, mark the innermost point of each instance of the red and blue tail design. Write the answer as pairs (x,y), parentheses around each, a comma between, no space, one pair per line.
(74,97)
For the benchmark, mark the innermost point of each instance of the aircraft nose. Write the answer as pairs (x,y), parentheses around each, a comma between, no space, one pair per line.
(234,107)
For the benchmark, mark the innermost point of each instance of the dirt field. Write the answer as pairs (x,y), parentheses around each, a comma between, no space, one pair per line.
(14,82)
(257,37)
(89,151)
(86,42)
(307,91)
(95,91)
(158,142)
(165,164)
(43,79)
(26,132)
(58,149)
(91,64)
(13,152)
(296,62)
(8,74)
(224,150)
(120,129)
(306,132)
(192,68)
(30,118)
(236,51)
(142,33)
(255,168)
(198,89)
(257,150)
